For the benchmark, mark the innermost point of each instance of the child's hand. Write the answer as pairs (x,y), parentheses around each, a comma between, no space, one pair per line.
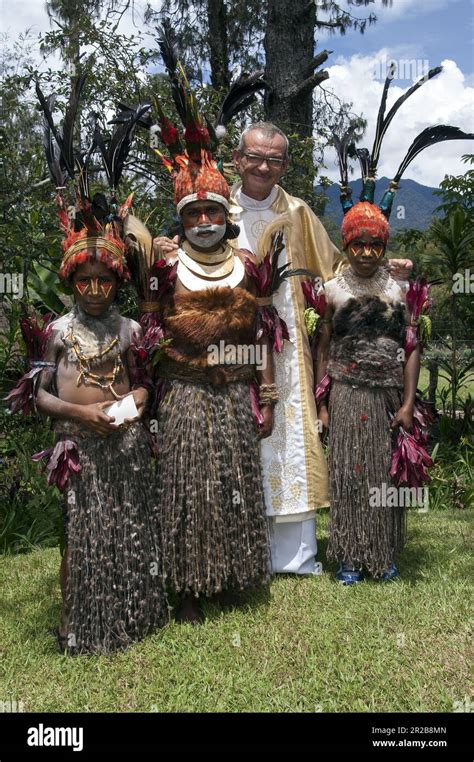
(140,396)
(404,418)
(266,428)
(96,419)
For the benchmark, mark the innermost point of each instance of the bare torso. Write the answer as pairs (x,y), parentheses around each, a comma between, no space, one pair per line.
(79,389)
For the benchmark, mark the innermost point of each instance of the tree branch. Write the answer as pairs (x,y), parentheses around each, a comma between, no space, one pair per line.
(318,60)
(308,85)
(329,24)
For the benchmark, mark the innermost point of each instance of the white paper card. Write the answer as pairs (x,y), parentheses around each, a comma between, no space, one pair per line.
(122,409)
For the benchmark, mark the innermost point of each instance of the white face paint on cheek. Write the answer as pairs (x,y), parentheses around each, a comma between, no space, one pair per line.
(216,233)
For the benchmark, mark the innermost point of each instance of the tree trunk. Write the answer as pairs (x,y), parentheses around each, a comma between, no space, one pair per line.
(290,65)
(219,53)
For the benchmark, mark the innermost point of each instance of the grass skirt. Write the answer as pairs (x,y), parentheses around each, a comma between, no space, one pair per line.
(116,585)
(360,443)
(210,492)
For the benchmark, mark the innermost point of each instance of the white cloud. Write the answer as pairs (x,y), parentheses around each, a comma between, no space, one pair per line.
(446,99)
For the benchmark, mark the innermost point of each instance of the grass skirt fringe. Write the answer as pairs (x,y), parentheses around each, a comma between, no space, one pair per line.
(360,444)
(210,489)
(116,585)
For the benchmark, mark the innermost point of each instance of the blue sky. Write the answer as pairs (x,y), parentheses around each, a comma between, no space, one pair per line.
(430,29)
(417,35)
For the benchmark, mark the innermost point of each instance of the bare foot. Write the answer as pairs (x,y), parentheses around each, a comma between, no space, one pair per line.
(189,610)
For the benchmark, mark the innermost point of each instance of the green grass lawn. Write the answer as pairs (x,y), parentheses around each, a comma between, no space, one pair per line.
(307,645)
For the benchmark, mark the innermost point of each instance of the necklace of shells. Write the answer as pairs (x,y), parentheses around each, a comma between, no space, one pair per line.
(358,286)
(103,381)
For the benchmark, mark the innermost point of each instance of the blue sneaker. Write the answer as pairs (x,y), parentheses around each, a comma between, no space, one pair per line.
(347,575)
(390,574)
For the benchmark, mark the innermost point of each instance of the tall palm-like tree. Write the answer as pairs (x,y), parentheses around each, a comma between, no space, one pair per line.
(453,237)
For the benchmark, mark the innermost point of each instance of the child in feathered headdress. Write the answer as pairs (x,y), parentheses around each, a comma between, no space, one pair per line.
(111,570)
(368,355)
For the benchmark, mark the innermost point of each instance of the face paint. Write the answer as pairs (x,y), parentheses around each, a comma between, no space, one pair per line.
(82,287)
(106,287)
(94,286)
(215,234)
(359,249)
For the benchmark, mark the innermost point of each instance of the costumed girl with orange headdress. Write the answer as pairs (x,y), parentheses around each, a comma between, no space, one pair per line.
(111,571)
(368,355)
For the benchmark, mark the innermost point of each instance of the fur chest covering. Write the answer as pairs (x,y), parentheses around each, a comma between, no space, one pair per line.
(198,319)
(366,344)
(370,316)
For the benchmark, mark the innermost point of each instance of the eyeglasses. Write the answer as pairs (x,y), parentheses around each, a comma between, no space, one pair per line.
(254,159)
(358,248)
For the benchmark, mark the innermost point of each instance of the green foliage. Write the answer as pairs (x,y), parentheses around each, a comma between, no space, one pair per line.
(452,485)
(458,191)
(299,178)
(11,359)
(311,320)
(30,511)
(245,24)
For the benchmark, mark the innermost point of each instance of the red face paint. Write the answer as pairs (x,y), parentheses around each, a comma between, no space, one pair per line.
(82,287)
(106,287)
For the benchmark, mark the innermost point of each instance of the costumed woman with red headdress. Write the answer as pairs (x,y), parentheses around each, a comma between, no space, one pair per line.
(209,485)
(369,356)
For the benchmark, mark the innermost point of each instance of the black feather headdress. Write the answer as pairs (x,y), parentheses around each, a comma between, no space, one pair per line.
(97,222)
(369,162)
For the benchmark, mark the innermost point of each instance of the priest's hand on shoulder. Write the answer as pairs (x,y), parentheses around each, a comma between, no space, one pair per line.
(166,245)
(323,419)
(400,268)
(266,428)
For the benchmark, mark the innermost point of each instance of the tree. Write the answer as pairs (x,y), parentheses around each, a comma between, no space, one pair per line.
(67,15)
(454,240)
(275,33)
(458,190)
(218,43)
(291,66)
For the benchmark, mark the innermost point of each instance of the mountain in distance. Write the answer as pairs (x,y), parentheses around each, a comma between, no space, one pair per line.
(419,203)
